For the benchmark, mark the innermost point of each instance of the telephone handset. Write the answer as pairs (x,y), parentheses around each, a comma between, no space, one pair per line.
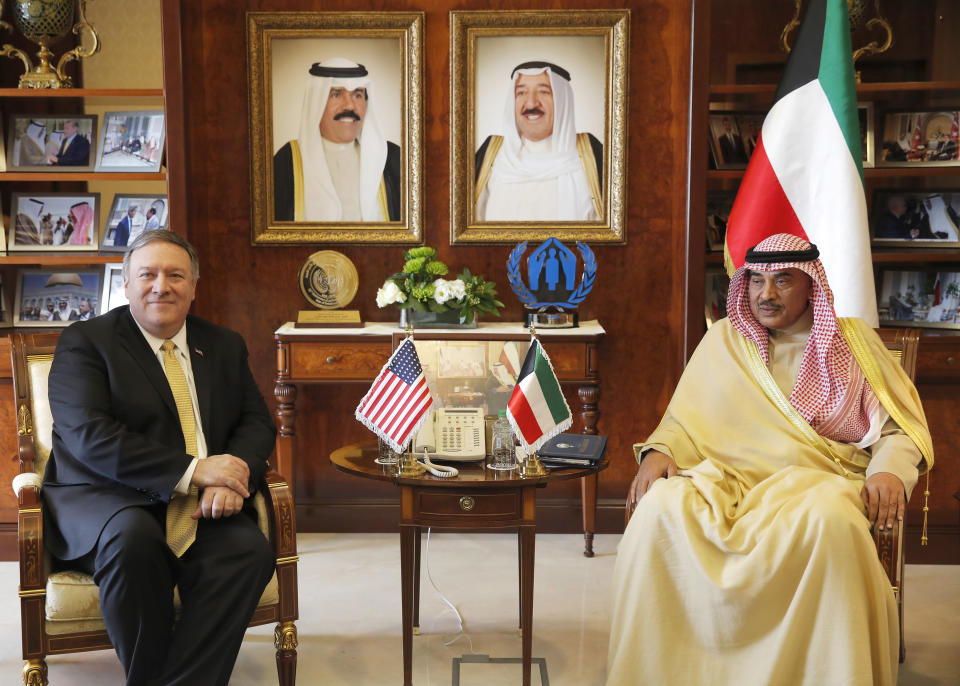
(453,434)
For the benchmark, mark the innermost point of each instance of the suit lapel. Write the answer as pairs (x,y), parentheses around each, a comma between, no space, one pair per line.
(199,354)
(131,339)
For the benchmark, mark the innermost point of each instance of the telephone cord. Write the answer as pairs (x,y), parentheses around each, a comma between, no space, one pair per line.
(456,612)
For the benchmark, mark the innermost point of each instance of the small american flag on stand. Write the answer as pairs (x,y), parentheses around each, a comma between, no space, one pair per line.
(397,402)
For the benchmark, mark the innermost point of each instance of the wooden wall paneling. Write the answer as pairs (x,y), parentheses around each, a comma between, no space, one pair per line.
(173,94)
(639,293)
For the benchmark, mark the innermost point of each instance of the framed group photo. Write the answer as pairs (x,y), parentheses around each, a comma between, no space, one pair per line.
(131,141)
(733,138)
(539,125)
(928,138)
(41,142)
(915,219)
(47,297)
(131,215)
(715,284)
(867,140)
(330,92)
(54,222)
(924,298)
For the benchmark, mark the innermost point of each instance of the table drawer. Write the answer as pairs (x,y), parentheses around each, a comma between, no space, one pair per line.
(477,505)
(347,360)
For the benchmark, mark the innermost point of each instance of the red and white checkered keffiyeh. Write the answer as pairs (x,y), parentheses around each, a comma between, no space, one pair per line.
(831,392)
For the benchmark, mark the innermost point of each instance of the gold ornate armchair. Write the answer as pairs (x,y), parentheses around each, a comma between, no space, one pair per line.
(903,345)
(60,611)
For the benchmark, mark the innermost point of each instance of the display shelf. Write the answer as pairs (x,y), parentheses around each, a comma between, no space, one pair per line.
(43,93)
(41,177)
(72,259)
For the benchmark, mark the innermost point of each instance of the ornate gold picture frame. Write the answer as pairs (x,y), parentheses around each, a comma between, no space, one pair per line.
(576,183)
(356,72)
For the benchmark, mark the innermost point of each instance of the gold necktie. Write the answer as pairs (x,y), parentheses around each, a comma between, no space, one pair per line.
(181,526)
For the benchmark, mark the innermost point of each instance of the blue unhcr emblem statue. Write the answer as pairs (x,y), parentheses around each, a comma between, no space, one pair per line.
(553,295)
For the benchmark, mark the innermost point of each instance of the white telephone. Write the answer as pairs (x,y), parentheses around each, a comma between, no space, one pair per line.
(453,434)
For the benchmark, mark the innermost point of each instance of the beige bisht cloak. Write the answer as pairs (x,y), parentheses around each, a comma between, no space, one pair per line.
(756,565)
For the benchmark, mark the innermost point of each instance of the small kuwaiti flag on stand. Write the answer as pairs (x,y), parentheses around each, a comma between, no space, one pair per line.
(805,176)
(397,402)
(537,409)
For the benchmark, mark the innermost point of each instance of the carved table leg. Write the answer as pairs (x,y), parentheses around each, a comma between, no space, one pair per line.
(589,396)
(286,395)
(285,641)
(35,673)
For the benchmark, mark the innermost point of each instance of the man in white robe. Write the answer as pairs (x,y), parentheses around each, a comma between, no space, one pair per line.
(540,169)
(340,168)
(790,434)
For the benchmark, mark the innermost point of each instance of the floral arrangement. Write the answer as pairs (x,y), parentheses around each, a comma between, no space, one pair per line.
(419,285)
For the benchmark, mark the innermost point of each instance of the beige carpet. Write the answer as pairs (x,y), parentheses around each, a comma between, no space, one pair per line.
(350,617)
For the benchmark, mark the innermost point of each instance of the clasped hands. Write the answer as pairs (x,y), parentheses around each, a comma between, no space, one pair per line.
(223,482)
(882,493)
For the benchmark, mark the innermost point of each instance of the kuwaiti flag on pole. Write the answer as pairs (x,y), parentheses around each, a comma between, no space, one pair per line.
(805,176)
(537,409)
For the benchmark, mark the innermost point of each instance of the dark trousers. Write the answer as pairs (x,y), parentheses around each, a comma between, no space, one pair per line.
(220,579)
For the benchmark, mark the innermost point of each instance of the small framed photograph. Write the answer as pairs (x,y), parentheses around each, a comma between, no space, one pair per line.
(915,219)
(6,314)
(41,142)
(131,215)
(867,144)
(131,141)
(927,138)
(925,298)
(462,360)
(726,141)
(719,204)
(113,294)
(750,125)
(54,222)
(48,297)
(715,284)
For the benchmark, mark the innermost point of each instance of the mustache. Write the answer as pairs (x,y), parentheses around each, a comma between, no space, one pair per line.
(346,114)
(532,110)
(768,303)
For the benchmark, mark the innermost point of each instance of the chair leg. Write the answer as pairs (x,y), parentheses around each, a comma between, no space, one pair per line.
(35,672)
(285,641)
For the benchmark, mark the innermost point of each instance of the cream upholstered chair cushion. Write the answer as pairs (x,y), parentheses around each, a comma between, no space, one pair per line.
(73,599)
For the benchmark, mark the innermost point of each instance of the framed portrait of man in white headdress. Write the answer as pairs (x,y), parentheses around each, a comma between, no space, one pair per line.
(335,110)
(538,126)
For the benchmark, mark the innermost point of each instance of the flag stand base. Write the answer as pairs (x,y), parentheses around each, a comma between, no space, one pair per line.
(532,466)
(410,466)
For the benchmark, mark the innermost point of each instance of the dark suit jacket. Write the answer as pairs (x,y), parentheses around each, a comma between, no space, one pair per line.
(122,234)
(117,440)
(78,154)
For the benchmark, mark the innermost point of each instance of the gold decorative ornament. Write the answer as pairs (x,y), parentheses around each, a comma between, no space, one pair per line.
(24,421)
(410,466)
(328,280)
(43,22)
(857,12)
(285,636)
(532,465)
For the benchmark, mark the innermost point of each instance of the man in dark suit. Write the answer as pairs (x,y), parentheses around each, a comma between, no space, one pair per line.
(74,148)
(122,234)
(144,429)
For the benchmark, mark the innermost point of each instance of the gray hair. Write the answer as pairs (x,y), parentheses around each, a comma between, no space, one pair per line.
(166,236)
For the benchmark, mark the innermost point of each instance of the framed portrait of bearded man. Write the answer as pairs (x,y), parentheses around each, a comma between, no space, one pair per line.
(335,109)
(539,125)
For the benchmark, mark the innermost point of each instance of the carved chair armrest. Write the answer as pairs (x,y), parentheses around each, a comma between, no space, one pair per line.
(33,568)
(283,525)
(889,543)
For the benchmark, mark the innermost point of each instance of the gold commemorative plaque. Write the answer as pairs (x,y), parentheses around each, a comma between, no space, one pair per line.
(328,280)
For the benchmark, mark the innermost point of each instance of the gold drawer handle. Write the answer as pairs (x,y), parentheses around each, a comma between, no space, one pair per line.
(467,503)
(950,360)
(331,359)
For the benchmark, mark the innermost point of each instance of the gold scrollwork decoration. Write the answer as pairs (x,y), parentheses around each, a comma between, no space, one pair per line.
(24,421)
(856,11)
(285,636)
(79,52)
(35,673)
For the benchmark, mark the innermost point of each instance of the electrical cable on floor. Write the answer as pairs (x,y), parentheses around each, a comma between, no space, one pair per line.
(462,633)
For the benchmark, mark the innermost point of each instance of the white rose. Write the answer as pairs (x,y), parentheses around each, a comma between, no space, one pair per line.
(458,289)
(442,291)
(389,294)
